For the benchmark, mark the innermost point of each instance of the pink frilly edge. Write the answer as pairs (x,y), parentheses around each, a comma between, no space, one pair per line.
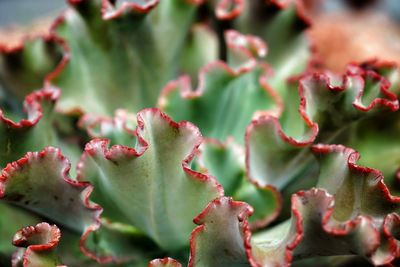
(109,154)
(87,189)
(164,262)
(278,197)
(52,36)
(354,71)
(50,238)
(33,108)
(247,45)
(329,225)
(247,211)
(132,152)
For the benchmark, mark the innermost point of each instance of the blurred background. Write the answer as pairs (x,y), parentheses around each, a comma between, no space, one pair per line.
(24,11)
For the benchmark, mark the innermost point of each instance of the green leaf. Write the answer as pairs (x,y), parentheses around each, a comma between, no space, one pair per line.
(220,239)
(20,218)
(24,68)
(166,262)
(226,162)
(354,215)
(151,186)
(23,182)
(278,149)
(40,242)
(118,53)
(282,28)
(228,96)
(31,133)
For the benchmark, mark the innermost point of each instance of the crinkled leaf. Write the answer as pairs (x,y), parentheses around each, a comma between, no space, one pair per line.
(120,243)
(283,30)
(39,242)
(277,150)
(151,187)
(227,96)
(351,219)
(225,161)
(165,262)
(23,68)
(23,182)
(201,48)
(119,130)
(31,133)
(118,53)
(218,240)
(20,218)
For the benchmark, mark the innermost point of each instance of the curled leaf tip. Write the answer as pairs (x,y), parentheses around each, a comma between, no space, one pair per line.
(165,262)
(37,245)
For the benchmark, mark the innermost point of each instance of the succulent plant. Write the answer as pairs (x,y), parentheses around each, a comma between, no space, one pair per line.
(207,133)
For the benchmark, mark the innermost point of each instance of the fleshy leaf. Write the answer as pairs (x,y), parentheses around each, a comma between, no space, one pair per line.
(359,191)
(24,67)
(281,26)
(20,218)
(225,161)
(227,96)
(151,186)
(351,219)
(132,37)
(379,134)
(119,130)
(201,48)
(40,242)
(218,240)
(312,231)
(327,105)
(166,262)
(23,182)
(31,133)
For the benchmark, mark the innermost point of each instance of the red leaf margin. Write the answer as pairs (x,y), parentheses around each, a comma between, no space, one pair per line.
(52,36)
(248,45)
(86,187)
(33,108)
(164,262)
(109,154)
(278,197)
(388,232)
(354,71)
(21,239)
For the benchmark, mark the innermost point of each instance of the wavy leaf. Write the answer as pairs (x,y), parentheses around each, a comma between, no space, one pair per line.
(228,95)
(39,242)
(99,32)
(24,66)
(31,133)
(226,162)
(281,26)
(151,186)
(166,262)
(278,150)
(23,182)
(354,215)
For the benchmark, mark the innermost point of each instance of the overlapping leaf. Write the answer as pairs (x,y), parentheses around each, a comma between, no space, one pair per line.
(23,182)
(38,244)
(24,67)
(151,186)
(118,55)
(228,95)
(226,162)
(278,150)
(31,133)
(348,217)
(281,26)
